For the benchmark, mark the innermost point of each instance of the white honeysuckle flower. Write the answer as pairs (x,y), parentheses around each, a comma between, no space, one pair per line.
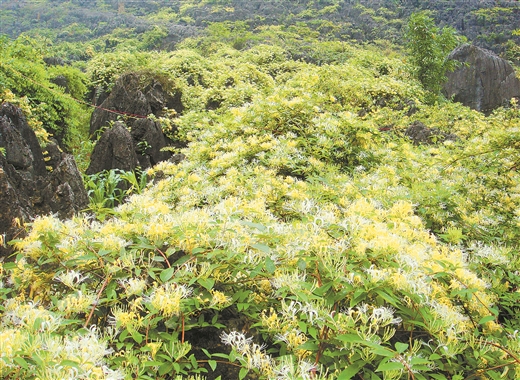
(70,278)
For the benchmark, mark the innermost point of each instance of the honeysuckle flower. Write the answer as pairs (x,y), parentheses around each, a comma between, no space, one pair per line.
(219,299)
(252,353)
(306,369)
(123,318)
(76,303)
(133,286)
(167,298)
(70,278)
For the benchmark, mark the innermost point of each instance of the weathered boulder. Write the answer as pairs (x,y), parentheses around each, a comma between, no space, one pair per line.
(126,98)
(483,81)
(30,186)
(134,98)
(421,134)
(115,149)
(149,140)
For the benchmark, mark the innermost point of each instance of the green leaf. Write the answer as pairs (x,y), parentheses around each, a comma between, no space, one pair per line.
(359,296)
(309,346)
(417,360)
(401,347)
(313,332)
(166,274)
(302,265)
(262,247)
(258,226)
(206,352)
(193,361)
(103,252)
(165,368)
(242,306)
(151,363)
(387,297)
(380,350)
(243,373)
(206,283)
(21,362)
(181,261)
(69,363)
(37,324)
(350,338)
(351,370)
(270,266)
(484,320)
(437,377)
(111,291)
(389,366)
(212,364)
(136,336)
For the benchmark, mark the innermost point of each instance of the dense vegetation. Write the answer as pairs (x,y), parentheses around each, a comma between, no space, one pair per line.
(303,237)
(84,26)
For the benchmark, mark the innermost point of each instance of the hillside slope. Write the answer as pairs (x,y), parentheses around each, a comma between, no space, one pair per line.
(164,23)
(303,236)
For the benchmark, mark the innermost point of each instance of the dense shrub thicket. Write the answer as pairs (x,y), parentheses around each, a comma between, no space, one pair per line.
(303,237)
(26,79)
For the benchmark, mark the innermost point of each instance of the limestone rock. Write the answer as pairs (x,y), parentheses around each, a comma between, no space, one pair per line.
(136,98)
(483,81)
(114,150)
(28,185)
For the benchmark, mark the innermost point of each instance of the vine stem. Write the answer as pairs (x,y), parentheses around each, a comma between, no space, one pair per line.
(183,329)
(516,359)
(105,283)
(165,258)
(479,372)
(216,361)
(407,366)
(220,361)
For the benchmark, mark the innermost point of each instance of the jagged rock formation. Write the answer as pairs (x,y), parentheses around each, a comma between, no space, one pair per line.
(483,81)
(114,150)
(421,134)
(30,186)
(131,98)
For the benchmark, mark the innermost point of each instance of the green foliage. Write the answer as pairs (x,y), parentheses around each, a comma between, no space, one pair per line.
(108,189)
(76,80)
(104,69)
(493,15)
(153,38)
(428,48)
(23,72)
(304,236)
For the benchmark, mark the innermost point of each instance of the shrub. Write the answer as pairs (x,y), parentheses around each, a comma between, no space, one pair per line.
(428,48)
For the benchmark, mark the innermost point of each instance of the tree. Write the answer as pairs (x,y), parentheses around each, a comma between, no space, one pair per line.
(428,48)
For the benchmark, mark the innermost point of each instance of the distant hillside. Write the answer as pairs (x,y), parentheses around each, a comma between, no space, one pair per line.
(489,24)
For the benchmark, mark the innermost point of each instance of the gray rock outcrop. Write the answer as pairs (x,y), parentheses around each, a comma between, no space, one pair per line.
(133,101)
(30,186)
(114,150)
(421,134)
(483,81)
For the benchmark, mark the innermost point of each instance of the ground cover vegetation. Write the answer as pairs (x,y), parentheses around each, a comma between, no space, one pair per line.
(303,237)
